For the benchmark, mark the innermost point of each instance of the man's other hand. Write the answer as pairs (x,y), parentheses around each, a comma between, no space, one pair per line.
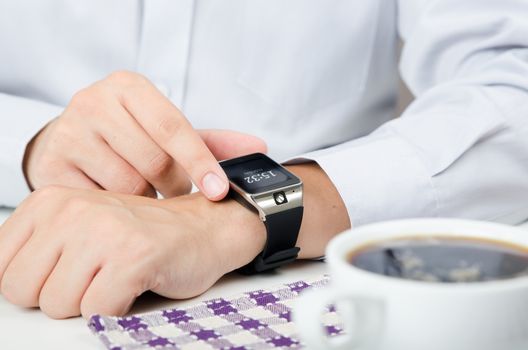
(71,251)
(122,134)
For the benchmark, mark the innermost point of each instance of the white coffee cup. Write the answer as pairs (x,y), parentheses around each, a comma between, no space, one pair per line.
(389,313)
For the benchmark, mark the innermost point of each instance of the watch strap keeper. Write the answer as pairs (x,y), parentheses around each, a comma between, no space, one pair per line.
(282,230)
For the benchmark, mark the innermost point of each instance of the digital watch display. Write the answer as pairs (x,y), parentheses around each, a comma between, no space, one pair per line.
(257,174)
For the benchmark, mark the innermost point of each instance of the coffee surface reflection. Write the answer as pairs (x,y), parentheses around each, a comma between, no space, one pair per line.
(442,259)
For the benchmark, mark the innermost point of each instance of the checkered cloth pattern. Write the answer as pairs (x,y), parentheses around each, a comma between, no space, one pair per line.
(259,319)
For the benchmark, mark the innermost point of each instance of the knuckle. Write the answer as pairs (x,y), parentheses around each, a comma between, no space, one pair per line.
(63,140)
(130,182)
(118,176)
(159,166)
(62,132)
(46,194)
(125,77)
(83,100)
(62,174)
(199,164)
(55,307)
(50,162)
(15,293)
(51,172)
(139,279)
(169,128)
(75,205)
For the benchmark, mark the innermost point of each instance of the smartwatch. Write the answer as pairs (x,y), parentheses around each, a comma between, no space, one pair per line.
(259,182)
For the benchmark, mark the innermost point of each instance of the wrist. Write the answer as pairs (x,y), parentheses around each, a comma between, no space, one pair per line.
(242,234)
(235,234)
(325,213)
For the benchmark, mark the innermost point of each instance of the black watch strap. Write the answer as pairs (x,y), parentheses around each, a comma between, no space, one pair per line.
(282,229)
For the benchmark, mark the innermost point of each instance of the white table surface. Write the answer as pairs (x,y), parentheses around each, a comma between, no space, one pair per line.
(31,329)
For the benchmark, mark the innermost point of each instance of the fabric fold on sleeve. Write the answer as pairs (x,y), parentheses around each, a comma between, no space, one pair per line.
(379,177)
(22,119)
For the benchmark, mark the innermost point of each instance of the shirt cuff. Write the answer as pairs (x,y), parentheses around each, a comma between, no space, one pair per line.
(379,177)
(26,118)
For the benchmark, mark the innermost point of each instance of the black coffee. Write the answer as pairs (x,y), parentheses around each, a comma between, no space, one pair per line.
(443,259)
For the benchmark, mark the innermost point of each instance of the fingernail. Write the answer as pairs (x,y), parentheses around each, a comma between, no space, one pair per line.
(213,185)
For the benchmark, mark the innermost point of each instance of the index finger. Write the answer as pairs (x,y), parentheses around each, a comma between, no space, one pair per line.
(169,128)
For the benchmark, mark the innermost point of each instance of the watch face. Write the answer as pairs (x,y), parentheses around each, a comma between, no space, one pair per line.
(257,173)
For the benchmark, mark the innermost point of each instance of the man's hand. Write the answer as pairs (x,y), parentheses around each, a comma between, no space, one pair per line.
(72,251)
(121,134)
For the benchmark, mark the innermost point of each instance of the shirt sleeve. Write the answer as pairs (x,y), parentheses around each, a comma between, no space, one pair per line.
(461,148)
(20,120)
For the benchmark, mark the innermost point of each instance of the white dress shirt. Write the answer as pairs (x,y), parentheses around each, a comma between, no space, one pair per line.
(304,75)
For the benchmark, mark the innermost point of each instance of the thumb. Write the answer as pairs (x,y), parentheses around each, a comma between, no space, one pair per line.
(225,144)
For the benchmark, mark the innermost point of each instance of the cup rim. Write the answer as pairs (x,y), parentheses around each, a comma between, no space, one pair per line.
(339,246)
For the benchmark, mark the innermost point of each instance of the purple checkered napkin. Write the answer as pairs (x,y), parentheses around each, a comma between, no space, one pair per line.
(260,319)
